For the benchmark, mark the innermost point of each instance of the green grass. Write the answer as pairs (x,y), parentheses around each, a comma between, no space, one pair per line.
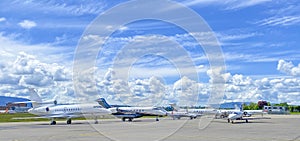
(25,117)
(5,117)
(295,113)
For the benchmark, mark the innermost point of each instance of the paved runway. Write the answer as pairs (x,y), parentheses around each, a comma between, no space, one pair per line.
(279,128)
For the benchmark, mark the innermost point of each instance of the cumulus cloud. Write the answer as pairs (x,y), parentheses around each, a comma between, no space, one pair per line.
(275,90)
(27,24)
(185,91)
(26,71)
(138,92)
(288,68)
(52,79)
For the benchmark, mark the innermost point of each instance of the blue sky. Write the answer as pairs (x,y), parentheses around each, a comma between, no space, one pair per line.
(259,39)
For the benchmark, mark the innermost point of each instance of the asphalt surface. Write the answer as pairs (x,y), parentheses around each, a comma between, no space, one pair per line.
(278,128)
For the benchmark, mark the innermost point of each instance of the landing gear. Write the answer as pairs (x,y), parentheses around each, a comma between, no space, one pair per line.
(191,118)
(228,120)
(69,121)
(53,122)
(246,120)
(96,120)
(157,119)
(129,119)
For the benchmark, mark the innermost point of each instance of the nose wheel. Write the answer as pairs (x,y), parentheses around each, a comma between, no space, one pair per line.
(53,122)
(69,121)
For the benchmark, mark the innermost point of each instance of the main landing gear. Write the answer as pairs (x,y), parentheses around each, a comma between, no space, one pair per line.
(129,119)
(228,120)
(69,121)
(53,122)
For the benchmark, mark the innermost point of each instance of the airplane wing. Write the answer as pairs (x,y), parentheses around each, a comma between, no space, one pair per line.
(25,118)
(48,117)
(255,118)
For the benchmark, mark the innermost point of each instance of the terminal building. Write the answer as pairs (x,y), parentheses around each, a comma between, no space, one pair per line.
(7,105)
(275,110)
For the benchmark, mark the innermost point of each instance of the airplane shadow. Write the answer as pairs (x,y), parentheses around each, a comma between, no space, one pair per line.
(242,121)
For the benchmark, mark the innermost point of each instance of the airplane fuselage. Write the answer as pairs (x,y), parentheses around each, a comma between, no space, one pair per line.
(70,110)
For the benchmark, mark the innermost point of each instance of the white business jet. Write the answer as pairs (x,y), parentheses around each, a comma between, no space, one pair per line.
(189,112)
(178,115)
(69,111)
(242,115)
(51,110)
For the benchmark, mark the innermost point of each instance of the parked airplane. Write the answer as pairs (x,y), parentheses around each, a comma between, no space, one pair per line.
(178,115)
(132,112)
(192,113)
(69,111)
(51,110)
(223,113)
(243,115)
(240,116)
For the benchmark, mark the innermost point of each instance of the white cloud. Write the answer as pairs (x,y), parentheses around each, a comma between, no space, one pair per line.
(29,72)
(2,19)
(61,7)
(274,90)
(288,68)
(46,71)
(279,21)
(223,37)
(147,92)
(247,3)
(229,4)
(123,28)
(53,79)
(27,24)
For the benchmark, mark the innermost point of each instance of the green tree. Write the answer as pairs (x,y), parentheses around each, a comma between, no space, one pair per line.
(251,106)
(298,108)
(245,107)
(284,104)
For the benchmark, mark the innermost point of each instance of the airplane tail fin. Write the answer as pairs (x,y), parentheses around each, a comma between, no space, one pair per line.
(240,108)
(34,96)
(37,101)
(103,103)
(174,106)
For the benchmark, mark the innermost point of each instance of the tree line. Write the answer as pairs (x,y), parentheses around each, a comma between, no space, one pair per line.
(260,104)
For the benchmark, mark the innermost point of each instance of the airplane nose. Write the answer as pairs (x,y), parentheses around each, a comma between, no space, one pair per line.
(30,111)
(231,116)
